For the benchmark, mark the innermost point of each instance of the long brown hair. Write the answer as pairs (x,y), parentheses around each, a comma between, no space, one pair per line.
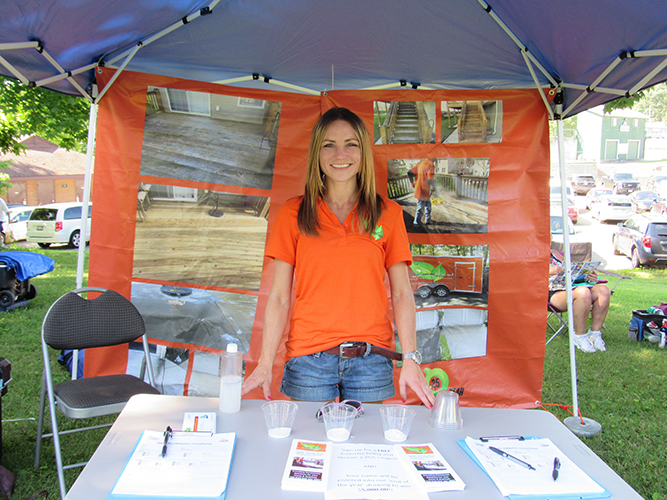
(369,207)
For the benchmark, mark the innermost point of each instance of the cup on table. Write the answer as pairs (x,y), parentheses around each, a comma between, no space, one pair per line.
(446,412)
(338,419)
(396,422)
(279,417)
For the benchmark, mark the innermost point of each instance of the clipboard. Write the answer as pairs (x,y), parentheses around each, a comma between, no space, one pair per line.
(150,474)
(574,496)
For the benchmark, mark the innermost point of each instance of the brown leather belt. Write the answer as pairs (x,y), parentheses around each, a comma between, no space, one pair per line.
(354,349)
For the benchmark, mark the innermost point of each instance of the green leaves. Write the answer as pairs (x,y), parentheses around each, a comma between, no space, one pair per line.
(426,271)
(58,118)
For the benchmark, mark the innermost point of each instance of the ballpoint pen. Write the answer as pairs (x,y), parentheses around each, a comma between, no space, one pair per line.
(556,468)
(167,433)
(510,457)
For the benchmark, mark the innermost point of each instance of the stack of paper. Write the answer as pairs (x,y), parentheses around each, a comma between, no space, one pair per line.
(195,465)
(529,470)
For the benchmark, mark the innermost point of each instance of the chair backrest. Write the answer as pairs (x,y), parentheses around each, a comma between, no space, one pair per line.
(73,322)
(579,252)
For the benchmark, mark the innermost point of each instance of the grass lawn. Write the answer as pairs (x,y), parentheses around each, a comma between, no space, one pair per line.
(624,389)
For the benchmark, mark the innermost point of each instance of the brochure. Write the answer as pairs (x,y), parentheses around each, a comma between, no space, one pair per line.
(307,467)
(429,467)
(368,471)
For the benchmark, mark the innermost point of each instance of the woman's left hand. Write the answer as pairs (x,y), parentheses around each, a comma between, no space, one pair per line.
(412,376)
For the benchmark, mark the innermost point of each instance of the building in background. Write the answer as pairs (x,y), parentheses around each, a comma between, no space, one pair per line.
(44,173)
(619,135)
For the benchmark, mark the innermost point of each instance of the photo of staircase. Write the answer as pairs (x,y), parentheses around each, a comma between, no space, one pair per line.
(404,122)
(471,121)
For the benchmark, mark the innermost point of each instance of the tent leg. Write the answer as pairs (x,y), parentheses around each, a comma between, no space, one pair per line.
(92,130)
(577,424)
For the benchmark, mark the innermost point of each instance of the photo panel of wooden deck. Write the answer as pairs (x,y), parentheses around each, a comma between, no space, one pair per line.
(210,138)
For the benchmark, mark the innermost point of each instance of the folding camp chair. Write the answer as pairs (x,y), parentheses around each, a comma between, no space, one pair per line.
(554,312)
(73,322)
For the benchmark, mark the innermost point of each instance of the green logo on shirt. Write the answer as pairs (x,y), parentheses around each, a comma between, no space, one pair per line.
(378,233)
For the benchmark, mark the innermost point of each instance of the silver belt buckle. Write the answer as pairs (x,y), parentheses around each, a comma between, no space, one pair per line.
(343,346)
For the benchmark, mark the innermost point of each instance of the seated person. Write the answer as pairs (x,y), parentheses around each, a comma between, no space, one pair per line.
(585,298)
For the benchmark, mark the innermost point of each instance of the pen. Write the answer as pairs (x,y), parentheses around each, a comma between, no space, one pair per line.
(167,433)
(556,468)
(510,457)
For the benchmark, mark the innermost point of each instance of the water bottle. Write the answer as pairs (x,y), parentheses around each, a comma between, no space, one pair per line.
(231,379)
(654,310)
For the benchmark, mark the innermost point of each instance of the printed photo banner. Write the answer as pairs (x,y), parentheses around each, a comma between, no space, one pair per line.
(189,176)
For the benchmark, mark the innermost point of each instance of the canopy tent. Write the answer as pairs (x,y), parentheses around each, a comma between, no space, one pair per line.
(593,51)
(578,55)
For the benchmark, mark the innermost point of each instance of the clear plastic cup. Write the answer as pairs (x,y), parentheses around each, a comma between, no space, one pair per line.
(396,422)
(338,419)
(446,412)
(279,417)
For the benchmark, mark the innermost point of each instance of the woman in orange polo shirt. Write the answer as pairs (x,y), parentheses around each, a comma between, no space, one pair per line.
(335,245)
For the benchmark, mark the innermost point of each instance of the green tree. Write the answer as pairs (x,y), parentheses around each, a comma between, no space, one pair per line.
(59,118)
(654,103)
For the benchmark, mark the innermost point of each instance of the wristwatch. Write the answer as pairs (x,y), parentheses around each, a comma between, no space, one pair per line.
(415,356)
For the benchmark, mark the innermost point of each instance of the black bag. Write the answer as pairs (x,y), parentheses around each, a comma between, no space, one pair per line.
(638,324)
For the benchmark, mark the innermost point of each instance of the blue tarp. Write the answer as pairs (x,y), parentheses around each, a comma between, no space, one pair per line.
(348,44)
(27,264)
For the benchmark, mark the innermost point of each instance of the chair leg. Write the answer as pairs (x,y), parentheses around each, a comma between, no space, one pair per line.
(40,423)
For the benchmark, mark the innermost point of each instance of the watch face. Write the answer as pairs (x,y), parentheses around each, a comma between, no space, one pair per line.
(415,355)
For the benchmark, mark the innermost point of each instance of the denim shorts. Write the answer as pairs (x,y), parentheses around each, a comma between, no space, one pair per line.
(322,377)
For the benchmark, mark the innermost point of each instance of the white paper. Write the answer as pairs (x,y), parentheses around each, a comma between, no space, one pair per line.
(512,478)
(429,467)
(370,472)
(196,465)
(307,467)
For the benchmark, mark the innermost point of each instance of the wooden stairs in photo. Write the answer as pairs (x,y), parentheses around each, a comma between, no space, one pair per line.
(406,128)
(472,125)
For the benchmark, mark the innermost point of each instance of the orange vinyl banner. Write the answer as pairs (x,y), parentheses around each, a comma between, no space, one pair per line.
(189,177)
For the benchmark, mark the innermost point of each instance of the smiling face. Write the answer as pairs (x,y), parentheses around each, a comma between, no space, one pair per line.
(340,154)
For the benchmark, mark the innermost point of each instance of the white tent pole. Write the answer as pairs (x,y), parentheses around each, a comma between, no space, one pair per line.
(62,76)
(648,53)
(19,45)
(13,71)
(92,130)
(119,70)
(516,40)
(537,85)
(648,77)
(71,80)
(600,90)
(568,263)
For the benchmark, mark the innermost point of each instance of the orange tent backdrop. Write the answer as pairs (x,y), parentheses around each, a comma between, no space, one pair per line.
(510,374)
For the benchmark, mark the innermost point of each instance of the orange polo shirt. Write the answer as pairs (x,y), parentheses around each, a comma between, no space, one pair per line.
(340,277)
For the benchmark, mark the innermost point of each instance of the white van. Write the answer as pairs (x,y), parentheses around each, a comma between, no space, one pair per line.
(57,223)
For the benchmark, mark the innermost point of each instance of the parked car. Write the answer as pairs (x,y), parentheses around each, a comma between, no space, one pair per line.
(572,210)
(659,206)
(58,223)
(643,238)
(582,184)
(613,207)
(642,200)
(17,227)
(594,194)
(625,183)
(575,235)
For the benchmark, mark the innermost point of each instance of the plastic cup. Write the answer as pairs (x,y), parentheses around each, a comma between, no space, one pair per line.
(396,422)
(279,417)
(446,412)
(338,419)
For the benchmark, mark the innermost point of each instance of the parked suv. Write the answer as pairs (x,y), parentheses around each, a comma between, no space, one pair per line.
(57,223)
(582,184)
(643,238)
(625,183)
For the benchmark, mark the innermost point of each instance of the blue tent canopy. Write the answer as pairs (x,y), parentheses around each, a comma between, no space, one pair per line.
(593,51)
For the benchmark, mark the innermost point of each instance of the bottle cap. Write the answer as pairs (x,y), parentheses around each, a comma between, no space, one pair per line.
(232,348)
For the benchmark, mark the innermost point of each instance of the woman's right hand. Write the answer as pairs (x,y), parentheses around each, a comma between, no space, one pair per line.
(260,377)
